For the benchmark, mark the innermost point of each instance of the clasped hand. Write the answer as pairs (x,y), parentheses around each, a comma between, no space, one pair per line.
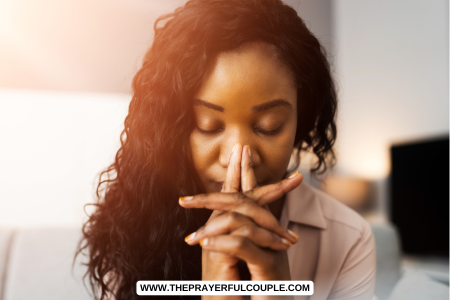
(241,225)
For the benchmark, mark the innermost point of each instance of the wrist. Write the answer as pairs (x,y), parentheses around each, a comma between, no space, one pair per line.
(277,270)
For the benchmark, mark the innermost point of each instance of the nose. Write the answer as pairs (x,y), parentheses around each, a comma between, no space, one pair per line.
(227,148)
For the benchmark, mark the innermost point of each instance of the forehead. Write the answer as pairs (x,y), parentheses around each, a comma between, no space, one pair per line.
(246,77)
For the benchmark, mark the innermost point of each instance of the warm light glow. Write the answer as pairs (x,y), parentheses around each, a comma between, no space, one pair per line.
(351,191)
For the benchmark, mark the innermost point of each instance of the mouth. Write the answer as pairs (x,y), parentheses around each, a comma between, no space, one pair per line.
(218,185)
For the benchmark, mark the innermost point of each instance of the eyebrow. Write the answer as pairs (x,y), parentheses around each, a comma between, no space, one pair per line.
(256,108)
(199,102)
(270,104)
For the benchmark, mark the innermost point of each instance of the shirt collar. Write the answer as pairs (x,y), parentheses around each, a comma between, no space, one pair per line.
(303,206)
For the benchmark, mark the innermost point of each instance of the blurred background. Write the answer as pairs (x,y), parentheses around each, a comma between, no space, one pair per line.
(65,81)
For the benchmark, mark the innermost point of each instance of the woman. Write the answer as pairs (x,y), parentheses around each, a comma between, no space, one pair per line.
(227,92)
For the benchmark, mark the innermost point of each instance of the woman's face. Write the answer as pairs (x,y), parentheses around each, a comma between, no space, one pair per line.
(246,96)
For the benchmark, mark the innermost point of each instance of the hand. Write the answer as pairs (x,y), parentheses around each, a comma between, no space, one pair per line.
(240,228)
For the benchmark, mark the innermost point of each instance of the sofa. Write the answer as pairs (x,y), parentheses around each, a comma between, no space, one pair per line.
(37,264)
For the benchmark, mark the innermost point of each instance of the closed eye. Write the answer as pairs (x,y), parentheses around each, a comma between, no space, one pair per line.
(202,131)
(271,132)
(257,130)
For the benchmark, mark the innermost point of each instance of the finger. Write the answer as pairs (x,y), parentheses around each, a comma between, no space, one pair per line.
(239,203)
(269,193)
(265,219)
(262,237)
(237,246)
(232,181)
(222,224)
(248,178)
(238,224)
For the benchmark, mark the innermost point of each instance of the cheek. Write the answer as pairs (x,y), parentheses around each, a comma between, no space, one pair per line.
(203,153)
(278,154)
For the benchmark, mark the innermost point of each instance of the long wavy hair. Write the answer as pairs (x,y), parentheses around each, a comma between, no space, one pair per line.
(136,231)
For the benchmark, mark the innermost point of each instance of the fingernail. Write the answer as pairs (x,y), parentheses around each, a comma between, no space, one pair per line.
(293,175)
(190,237)
(286,242)
(249,151)
(186,198)
(203,242)
(291,233)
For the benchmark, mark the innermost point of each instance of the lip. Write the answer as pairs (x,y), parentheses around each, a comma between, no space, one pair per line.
(218,185)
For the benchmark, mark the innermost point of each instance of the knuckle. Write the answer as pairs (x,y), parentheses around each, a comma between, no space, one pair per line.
(274,238)
(241,243)
(202,230)
(279,185)
(272,188)
(247,206)
(248,230)
(250,193)
(240,197)
(204,197)
(232,217)
(273,222)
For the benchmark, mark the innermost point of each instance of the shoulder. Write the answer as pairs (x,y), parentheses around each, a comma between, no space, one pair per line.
(339,225)
(347,259)
(339,238)
(339,215)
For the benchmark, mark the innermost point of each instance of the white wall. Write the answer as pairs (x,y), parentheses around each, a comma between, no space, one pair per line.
(53,145)
(392,69)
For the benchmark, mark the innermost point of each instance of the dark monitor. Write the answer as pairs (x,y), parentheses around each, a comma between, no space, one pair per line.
(419,196)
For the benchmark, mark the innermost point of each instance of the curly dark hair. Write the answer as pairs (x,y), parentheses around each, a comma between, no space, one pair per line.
(137,229)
